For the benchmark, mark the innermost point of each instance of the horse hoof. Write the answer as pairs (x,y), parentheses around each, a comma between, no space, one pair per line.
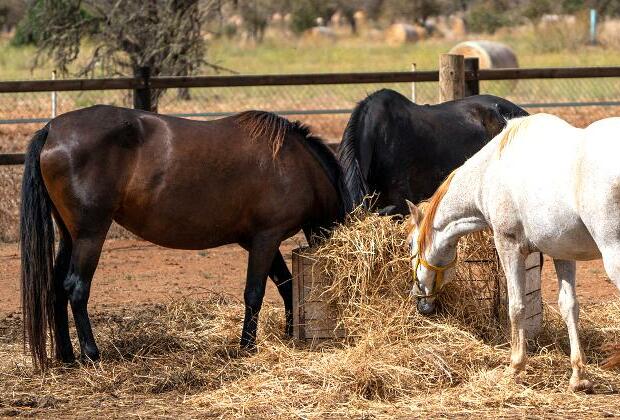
(68,361)
(248,345)
(512,374)
(580,385)
(66,358)
(89,357)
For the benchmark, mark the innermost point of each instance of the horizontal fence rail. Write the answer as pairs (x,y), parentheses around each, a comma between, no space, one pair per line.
(69,85)
(12,159)
(546,73)
(169,82)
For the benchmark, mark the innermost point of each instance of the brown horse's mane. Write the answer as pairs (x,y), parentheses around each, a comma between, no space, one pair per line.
(263,124)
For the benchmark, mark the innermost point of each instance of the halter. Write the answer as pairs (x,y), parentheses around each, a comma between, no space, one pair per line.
(438,273)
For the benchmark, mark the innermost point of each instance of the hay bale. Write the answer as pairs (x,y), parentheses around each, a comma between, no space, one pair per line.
(402,33)
(337,20)
(458,28)
(609,33)
(491,54)
(367,265)
(553,19)
(450,27)
(360,18)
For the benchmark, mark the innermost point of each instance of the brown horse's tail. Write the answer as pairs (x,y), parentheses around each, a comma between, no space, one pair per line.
(37,255)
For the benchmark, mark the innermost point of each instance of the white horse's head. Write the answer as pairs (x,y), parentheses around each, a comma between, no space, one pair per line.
(428,278)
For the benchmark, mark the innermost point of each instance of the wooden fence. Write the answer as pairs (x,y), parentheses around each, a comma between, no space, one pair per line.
(457,78)
(168,82)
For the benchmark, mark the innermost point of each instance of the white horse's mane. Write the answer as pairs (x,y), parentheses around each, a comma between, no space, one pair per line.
(515,125)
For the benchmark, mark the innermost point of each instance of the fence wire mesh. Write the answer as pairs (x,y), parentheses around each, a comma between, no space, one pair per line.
(326,108)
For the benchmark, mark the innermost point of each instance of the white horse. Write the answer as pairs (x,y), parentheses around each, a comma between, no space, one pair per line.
(540,185)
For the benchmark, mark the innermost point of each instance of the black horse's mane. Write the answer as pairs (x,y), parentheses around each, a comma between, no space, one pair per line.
(348,155)
(387,135)
(276,128)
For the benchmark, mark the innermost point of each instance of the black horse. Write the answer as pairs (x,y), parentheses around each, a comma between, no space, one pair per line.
(401,150)
(254,179)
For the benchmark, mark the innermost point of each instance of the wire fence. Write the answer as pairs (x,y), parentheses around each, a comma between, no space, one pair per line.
(325,108)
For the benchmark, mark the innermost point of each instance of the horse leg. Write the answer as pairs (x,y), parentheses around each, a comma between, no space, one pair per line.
(513,263)
(84,260)
(569,308)
(283,280)
(64,349)
(262,252)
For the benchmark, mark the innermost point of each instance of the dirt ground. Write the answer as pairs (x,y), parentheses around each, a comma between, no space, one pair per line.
(136,272)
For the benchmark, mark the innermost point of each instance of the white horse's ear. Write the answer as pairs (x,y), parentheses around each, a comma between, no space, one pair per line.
(416,214)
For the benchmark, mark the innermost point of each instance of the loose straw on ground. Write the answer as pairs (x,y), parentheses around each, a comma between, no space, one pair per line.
(182,359)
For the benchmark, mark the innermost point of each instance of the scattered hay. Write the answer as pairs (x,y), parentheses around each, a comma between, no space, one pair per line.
(368,265)
(182,359)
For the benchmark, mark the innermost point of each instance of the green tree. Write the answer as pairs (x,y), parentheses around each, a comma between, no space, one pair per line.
(486,16)
(606,7)
(305,12)
(414,10)
(28,30)
(255,14)
(534,9)
(572,6)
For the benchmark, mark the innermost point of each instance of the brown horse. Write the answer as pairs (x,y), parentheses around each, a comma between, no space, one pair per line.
(254,179)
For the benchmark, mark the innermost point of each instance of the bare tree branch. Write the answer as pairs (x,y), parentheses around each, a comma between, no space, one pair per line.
(165,35)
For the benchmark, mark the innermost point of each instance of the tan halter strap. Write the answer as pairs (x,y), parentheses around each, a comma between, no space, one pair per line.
(438,273)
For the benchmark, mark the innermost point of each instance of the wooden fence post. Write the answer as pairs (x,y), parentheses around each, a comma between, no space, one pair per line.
(451,77)
(472,86)
(142,96)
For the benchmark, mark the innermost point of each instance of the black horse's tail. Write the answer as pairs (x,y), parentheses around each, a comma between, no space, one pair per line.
(37,255)
(348,156)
